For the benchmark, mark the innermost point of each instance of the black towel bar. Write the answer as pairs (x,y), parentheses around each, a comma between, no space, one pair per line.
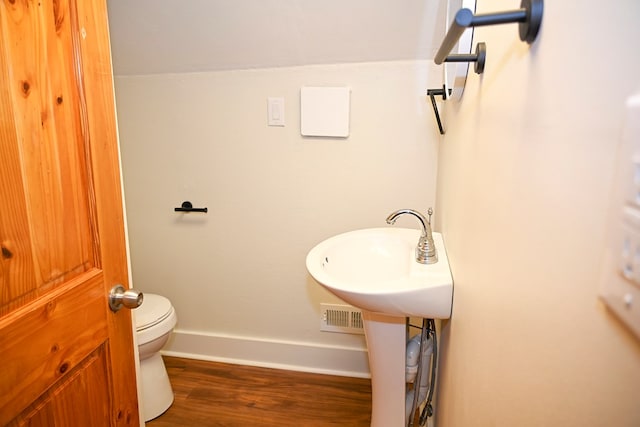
(188,207)
(529,17)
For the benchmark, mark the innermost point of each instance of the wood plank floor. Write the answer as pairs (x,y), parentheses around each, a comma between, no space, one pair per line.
(219,394)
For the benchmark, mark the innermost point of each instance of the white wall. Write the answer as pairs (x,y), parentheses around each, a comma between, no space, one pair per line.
(525,173)
(237,275)
(165,36)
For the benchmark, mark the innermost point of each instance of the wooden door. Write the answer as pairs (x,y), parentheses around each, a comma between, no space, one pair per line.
(65,359)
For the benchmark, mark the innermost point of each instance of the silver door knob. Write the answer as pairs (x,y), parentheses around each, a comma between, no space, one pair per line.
(120,297)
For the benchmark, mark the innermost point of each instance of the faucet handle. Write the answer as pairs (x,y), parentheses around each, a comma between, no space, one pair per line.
(429,212)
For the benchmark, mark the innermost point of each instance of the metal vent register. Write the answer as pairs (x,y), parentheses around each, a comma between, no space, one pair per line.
(341,318)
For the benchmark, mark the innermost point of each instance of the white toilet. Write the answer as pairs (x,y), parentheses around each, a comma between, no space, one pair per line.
(155,320)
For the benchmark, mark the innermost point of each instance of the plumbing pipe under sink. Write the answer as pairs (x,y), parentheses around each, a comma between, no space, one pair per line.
(413,362)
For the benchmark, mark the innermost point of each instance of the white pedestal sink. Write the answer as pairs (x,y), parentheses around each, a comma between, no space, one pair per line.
(375,269)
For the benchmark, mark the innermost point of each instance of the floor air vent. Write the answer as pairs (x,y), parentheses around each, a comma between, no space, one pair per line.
(341,318)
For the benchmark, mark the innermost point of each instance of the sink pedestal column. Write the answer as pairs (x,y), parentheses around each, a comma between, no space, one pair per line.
(386,342)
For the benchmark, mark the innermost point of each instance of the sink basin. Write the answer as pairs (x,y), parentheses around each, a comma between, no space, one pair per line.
(375,270)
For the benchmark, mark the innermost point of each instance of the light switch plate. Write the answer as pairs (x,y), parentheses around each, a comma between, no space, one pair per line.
(275,111)
(620,284)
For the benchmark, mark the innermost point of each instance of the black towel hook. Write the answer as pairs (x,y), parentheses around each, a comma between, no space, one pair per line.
(478,58)
(432,93)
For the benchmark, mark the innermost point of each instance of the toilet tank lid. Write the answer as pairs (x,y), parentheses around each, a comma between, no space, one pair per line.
(154,308)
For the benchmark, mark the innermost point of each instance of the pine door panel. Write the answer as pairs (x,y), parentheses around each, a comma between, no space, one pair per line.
(45,139)
(65,358)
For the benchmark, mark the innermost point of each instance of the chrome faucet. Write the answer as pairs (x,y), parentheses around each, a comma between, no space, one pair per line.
(426,249)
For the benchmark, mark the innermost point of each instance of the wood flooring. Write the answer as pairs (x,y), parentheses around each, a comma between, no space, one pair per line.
(211,394)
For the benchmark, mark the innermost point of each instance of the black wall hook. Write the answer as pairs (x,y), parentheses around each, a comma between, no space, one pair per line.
(188,207)
(432,94)
(479,58)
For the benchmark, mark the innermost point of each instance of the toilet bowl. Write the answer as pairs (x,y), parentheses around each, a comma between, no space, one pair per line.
(154,320)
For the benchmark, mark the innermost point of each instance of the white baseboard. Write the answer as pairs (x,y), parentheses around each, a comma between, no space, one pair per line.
(278,354)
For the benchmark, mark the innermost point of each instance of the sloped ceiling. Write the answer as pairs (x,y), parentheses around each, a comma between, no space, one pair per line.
(170,36)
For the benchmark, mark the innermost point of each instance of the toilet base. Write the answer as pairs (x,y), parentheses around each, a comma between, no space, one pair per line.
(157,394)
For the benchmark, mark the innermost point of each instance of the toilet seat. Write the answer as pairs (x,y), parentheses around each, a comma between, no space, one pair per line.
(154,318)
(154,309)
